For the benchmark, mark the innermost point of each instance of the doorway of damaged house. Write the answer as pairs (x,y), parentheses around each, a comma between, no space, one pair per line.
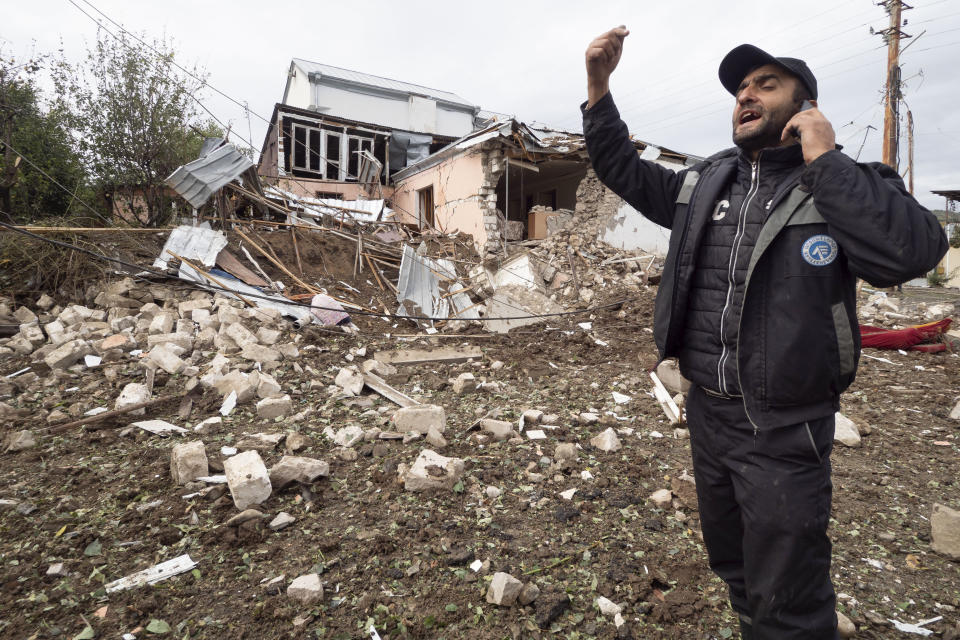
(529,193)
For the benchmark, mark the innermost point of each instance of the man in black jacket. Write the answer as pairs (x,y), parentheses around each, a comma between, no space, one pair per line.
(758,302)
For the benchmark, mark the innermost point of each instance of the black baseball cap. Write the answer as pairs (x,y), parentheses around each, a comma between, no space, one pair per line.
(745,58)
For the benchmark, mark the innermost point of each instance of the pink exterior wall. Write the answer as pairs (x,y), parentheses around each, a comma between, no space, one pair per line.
(456,194)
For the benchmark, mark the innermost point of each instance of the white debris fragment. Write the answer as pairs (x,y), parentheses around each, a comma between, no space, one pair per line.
(536,434)
(620,398)
(229,403)
(92,361)
(158,427)
(153,575)
(608,607)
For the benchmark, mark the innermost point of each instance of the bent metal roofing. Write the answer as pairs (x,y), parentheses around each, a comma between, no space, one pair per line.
(377,81)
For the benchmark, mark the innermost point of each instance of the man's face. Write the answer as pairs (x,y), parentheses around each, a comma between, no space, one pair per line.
(765,103)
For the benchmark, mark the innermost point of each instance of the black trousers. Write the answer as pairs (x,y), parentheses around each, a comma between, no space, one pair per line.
(764,499)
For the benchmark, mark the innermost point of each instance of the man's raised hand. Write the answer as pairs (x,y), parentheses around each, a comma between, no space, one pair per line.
(602,56)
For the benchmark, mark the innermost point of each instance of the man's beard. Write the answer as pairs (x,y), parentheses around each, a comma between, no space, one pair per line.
(769,133)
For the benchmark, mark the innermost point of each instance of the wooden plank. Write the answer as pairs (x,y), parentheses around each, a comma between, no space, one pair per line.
(420,356)
(380,386)
(232,265)
(94,229)
(666,402)
(110,414)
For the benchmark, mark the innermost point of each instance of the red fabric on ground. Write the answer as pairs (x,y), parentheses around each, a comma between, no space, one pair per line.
(905,338)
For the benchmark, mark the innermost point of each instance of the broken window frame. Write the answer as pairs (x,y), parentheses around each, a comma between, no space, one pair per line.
(316,161)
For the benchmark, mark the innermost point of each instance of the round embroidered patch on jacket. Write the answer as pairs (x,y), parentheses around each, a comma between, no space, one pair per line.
(819,250)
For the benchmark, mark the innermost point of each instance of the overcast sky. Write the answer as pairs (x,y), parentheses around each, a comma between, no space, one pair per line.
(526,58)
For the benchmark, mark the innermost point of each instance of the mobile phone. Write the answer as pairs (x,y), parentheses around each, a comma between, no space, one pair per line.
(804,106)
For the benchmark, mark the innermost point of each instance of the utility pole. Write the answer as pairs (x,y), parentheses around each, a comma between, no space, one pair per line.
(891,117)
(910,147)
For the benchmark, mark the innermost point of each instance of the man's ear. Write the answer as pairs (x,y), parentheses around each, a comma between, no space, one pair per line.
(814,103)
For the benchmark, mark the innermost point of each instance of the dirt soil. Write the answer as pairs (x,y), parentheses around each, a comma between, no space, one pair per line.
(101,501)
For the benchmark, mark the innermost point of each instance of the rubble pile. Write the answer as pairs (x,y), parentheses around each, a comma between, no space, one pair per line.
(597,267)
(885,310)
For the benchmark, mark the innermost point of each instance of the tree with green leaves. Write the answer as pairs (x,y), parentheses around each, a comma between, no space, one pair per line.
(41,133)
(136,119)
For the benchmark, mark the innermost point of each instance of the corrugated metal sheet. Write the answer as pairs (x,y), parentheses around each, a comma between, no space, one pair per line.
(364,210)
(418,288)
(377,81)
(199,244)
(198,180)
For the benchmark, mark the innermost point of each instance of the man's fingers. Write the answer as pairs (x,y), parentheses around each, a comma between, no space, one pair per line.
(597,53)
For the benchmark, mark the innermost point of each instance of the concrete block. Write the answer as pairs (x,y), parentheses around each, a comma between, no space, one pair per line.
(25,316)
(161,323)
(433,471)
(420,418)
(669,373)
(245,384)
(240,334)
(33,334)
(133,393)
(306,589)
(268,387)
(187,307)
(499,429)
(292,469)
(45,302)
(259,353)
(117,341)
(21,345)
(271,408)
(945,531)
(268,336)
(607,441)
(846,431)
(182,340)
(188,461)
(504,589)
(166,360)
(68,354)
(350,380)
(19,441)
(247,478)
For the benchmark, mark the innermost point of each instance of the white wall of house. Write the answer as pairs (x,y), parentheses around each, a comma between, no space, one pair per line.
(397,111)
(628,229)
(298,91)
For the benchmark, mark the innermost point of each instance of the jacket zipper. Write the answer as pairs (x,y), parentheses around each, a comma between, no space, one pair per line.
(777,199)
(732,270)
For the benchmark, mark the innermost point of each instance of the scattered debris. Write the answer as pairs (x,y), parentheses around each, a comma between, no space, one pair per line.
(153,575)
(504,589)
(247,479)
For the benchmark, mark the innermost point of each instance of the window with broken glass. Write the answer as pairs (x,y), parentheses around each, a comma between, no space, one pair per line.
(321,152)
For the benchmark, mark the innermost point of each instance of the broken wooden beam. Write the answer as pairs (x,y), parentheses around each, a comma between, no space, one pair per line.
(448,355)
(669,407)
(110,414)
(379,385)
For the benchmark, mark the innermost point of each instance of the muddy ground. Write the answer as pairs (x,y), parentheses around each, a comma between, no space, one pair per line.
(103,503)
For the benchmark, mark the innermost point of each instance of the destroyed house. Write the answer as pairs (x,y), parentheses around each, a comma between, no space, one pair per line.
(438,161)
(505,181)
(342,134)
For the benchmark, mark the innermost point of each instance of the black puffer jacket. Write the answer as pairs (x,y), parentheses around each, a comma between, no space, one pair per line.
(835,220)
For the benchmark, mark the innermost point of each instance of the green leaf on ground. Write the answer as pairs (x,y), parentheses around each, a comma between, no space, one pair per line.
(86,634)
(158,626)
(94,548)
